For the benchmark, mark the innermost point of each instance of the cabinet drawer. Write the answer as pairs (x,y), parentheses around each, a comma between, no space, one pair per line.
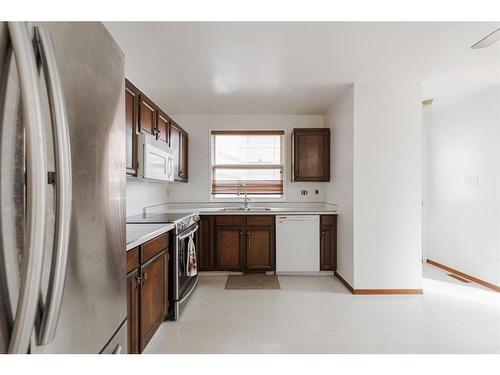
(230,220)
(153,247)
(260,220)
(328,220)
(132,259)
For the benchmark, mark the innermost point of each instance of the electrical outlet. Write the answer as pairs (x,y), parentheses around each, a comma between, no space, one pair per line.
(304,192)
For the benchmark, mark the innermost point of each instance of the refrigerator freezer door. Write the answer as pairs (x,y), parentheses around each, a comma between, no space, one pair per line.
(91,69)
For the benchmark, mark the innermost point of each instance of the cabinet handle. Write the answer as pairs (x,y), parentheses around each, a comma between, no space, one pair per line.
(241,234)
(138,279)
(145,276)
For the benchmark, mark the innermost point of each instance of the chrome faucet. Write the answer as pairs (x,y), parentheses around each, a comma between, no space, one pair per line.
(245,202)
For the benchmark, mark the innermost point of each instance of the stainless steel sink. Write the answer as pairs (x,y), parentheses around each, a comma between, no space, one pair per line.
(246,209)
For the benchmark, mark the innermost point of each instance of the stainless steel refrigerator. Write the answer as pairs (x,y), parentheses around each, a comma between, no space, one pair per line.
(62,189)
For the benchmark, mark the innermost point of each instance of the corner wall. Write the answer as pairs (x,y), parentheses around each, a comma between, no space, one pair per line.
(377,184)
(387,186)
(340,119)
(462,186)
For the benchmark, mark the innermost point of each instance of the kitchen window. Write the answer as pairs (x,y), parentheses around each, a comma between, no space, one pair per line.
(247,160)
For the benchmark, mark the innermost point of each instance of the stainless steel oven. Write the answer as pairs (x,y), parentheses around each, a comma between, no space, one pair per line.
(184,282)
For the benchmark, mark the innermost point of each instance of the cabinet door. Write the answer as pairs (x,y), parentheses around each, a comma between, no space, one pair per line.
(147,116)
(328,248)
(260,248)
(204,245)
(154,301)
(131,118)
(229,248)
(311,155)
(175,143)
(183,157)
(163,126)
(133,322)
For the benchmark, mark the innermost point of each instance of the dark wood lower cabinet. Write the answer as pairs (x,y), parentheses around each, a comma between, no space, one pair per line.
(236,243)
(328,243)
(147,287)
(205,244)
(154,302)
(260,243)
(247,243)
(229,248)
(133,322)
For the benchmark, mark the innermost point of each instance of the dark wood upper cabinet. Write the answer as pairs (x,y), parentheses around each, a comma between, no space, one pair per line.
(175,144)
(183,157)
(154,302)
(179,142)
(328,243)
(163,127)
(205,243)
(147,116)
(131,119)
(311,154)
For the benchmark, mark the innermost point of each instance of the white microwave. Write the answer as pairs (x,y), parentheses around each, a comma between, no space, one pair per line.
(156,159)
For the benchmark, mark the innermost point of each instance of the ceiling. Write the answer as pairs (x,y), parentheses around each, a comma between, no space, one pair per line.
(299,68)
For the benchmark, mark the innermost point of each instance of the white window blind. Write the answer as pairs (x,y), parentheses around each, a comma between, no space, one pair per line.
(250,158)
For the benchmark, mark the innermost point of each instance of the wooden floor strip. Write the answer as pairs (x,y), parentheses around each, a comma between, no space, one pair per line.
(459,278)
(376,291)
(494,287)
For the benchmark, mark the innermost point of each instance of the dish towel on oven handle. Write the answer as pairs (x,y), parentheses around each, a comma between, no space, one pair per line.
(191,266)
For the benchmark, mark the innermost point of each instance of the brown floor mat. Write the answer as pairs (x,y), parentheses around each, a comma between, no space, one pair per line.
(252,281)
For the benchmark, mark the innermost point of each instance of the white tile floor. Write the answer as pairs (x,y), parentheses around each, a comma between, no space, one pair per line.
(318,315)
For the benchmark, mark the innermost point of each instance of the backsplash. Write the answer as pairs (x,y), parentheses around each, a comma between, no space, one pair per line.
(142,194)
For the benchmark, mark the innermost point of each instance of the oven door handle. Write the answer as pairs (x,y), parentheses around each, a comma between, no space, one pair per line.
(182,236)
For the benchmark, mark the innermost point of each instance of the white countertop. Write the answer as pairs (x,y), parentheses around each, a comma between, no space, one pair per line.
(137,234)
(273,211)
(212,208)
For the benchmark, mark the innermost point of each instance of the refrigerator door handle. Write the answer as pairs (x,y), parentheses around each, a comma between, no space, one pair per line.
(36,188)
(63,180)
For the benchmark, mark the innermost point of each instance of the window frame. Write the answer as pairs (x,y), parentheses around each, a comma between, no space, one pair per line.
(211,166)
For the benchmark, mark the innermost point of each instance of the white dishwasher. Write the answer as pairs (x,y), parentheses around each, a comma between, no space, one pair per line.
(297,244)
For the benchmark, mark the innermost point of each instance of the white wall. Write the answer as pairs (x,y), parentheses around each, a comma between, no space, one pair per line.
(377,162)
(340,119)
(462,217)
(199,126)
(142,194)
(387,186)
